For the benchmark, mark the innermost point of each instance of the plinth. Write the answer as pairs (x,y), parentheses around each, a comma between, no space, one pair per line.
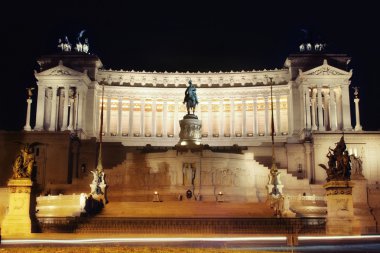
(17,222)
(190,134)
(340,209)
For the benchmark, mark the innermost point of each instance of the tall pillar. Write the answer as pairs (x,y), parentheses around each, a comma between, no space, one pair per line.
(278,115)
(321,127)
(255,121)
(108,132)
(358,127)
(130,130)
(244,117)
(209,118)
(326,111)
(221,118)
(232,116)
(313,116)
(40,108)
(71,119)
(176,123)
(142,117)
(53,115)
(79,121)
(346,108)
(154,109)
(65,109)
(307,108)
(27,124)
(165,118)
(119,117)
(332,109)
(266,123)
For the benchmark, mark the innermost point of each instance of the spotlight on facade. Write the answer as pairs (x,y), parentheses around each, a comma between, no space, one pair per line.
(156,197)
(183,143)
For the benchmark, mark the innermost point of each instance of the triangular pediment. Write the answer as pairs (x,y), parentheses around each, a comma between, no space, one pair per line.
(325,70)
(61,71)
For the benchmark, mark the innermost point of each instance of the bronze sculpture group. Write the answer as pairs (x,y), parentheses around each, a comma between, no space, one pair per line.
(24,162)
(339,166)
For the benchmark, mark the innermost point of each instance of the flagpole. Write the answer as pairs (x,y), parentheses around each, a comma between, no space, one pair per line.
(99,168)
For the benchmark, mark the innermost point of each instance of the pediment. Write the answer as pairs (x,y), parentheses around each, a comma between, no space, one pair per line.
(60,71)
(325,70)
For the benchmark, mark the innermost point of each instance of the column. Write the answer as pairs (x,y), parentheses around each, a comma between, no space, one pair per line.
(164,120)
(266,123)
(221,118)
(307,108)
(176,122)
(321,127)
(332,109)
(278,115)
(142,117)
(108,115)
(232,116)
(53,115)
(255,121)
(27,124)
(71,119)
(358,127)
(244,119)
(346,108)
(313,117)
(154,109)
(130,129)
(79,120)
(65,109)
(120,113)
(209,118)
(40,108)
(326,111)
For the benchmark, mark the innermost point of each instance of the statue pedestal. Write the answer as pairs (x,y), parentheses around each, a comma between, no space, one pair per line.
(190,134)
(340,209)
(17,222)
(362,211)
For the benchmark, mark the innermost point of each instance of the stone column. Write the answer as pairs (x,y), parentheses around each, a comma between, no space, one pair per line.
(255,122)
(108,132)
(232,116)
(358,126)
(176,123)
(79,121)
(27,124)
(313,117)
(16,222)
(71,119)
(142,117)
(307,108)
(119,117)
(40,108)
(332,109)
(266,123)
(221,118)
(130,130)
(154,109)
(326,103)
(209,119)
(244,117)
(346,108)
(165,118)
(278,115)
(65,109)
(321,127)
(53,115)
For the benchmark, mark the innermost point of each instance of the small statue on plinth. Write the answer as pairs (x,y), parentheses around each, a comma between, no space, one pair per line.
(190,99)
(339,165)
(24,162)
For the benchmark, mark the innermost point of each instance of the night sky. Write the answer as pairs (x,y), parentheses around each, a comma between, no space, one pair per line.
(186,36)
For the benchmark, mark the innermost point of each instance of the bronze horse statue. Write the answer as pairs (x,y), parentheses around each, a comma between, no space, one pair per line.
(190,99)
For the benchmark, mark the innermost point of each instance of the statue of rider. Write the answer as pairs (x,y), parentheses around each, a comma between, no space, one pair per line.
(190,99)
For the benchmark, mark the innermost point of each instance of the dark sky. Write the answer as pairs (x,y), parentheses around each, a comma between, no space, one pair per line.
(186,35)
